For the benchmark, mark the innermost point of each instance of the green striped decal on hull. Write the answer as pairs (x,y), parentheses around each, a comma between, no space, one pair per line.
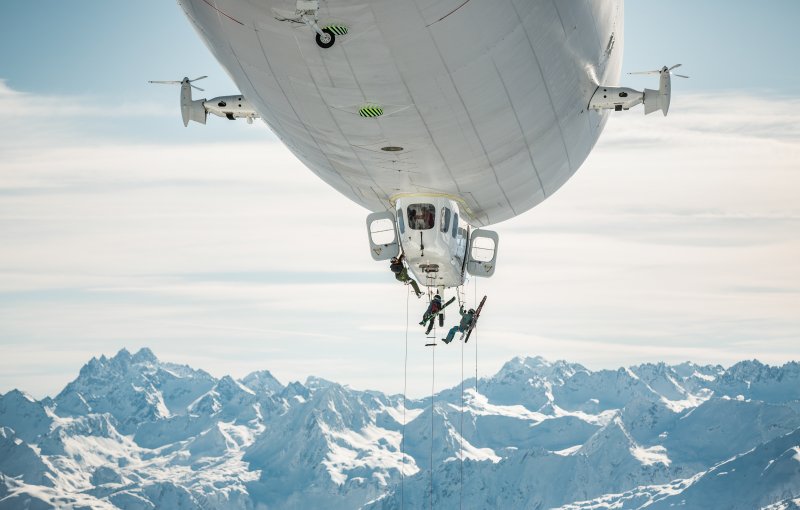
(370,110)
(337,29)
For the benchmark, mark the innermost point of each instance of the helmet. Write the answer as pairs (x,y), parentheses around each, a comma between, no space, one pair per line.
(471,310)
(437,296)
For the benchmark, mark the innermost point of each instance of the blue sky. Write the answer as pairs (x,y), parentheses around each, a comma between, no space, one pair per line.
(121,228)
(101,49)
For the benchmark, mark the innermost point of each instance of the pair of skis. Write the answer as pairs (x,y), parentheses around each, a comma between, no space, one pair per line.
(466,334)
(432,316)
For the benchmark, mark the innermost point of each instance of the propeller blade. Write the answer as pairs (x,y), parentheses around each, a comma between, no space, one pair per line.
(659,71)
(197,88)
(170,82)
(200,78)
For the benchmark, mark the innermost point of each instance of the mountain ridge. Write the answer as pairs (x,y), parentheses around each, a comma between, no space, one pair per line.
(133,432)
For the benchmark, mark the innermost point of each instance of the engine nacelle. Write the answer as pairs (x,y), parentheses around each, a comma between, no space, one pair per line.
(623,98)
(615,98)
(230,107)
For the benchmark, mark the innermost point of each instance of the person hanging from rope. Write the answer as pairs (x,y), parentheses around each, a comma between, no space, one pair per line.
(430,314)
(435,308)
(401,273)
(466,322)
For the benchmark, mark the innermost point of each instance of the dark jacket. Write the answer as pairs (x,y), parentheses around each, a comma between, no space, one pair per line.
(434,307)
(466,320)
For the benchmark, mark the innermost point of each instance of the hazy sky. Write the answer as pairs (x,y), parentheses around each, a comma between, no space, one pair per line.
(678,239)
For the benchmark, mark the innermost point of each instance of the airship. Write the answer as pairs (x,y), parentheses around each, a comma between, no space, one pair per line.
(440,117)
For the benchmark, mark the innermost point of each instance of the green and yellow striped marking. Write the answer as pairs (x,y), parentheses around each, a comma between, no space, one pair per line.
(370,111)
(337,29)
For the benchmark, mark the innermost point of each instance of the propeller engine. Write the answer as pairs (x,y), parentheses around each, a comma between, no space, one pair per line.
(190,110)
(623,98)
(230,107)
(659,99)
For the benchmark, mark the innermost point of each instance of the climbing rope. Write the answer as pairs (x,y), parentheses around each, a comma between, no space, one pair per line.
(433,386)
(430,282)
(405,389)
(461,295)
(461,432)
(475,298)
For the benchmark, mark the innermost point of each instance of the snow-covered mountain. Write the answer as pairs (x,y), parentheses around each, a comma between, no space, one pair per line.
(133,432)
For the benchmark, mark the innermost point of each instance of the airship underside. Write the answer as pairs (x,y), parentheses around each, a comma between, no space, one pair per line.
(479,106)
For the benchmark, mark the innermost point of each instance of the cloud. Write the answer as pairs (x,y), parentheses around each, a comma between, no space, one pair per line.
(20,105)
(723,117)
(232,256)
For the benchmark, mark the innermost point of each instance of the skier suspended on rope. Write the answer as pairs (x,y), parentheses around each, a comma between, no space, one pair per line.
(435,308)
(466,334)
(463,326)
(401,273)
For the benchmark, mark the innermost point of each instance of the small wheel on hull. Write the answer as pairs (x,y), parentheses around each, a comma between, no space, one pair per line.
(327,39)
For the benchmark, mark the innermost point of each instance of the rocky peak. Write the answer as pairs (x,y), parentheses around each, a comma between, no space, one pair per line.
(24,414)
(318,383)
(746,370)
(523,368)
(228,388)
(262,382)
(144,355)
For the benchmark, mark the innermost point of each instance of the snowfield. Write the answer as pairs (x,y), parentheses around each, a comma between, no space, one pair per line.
(133,432)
